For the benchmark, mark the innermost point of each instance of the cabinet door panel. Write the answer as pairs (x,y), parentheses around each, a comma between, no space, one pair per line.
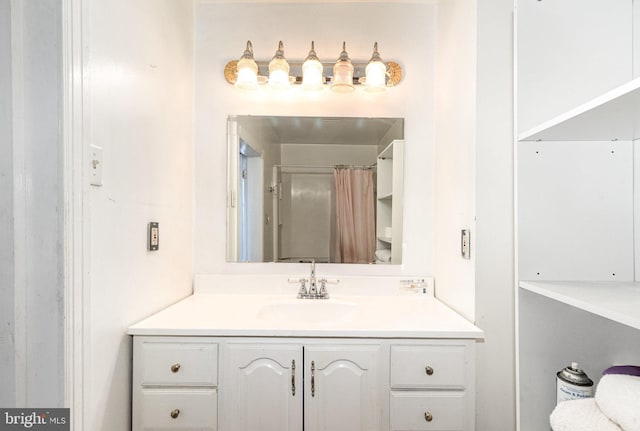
(259,384)
(342,388)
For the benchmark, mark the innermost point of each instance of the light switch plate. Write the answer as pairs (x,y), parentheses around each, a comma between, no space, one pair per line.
(153,236)
(465,243)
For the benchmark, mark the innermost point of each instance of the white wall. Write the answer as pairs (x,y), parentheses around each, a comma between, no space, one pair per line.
(7,305)
(328,155)
(495,378)
(407,36)
(455,152)
(139,93)
(30,202)
(41,92)
(563,63)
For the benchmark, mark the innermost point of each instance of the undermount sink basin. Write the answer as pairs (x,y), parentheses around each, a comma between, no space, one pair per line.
(308,310)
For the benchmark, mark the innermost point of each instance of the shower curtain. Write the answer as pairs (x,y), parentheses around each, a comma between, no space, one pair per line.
(355,239)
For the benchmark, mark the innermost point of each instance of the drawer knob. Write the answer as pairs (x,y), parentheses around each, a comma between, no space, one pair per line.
(428,370)
(175,368)
(428,416)
(176,412)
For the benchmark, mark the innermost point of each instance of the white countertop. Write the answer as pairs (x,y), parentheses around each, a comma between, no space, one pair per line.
(375,316)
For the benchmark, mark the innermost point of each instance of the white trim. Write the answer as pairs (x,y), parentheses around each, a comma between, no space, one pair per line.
(19,202)
(516,272)
(75,223)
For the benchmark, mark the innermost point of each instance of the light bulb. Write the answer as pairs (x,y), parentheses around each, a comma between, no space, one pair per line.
(247,70)
(376,72)
(343,73)
(312,72)
(279,70)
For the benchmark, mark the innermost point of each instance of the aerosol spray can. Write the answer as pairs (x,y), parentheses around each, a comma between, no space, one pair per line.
(572,383)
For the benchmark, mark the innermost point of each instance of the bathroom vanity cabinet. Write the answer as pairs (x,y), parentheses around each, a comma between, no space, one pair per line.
(577,194)
(240,355)
(278,384)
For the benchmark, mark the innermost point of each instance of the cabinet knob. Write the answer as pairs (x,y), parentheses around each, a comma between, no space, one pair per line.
(428,370)
(175,368)
(428,416)
(176,412)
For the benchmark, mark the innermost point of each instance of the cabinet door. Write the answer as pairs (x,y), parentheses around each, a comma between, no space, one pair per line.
(262,387)
(342,388)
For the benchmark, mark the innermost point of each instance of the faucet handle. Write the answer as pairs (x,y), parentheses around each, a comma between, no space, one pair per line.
(329,281)
(323,286)
(296,280)
(303,285)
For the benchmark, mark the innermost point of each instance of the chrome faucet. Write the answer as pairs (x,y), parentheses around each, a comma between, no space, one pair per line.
(313,292)
(313,287)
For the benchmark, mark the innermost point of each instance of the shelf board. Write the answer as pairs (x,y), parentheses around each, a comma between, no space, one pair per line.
(385,239)
(616,301)
(615,115)
(387,153)
(387,197)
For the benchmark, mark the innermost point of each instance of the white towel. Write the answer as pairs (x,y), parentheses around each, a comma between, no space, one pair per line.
(383,255)
(618,396)
(580,415)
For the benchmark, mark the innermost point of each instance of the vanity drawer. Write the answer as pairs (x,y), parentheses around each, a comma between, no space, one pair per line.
(428,366)
(178,409)
(179,363)
(433,411)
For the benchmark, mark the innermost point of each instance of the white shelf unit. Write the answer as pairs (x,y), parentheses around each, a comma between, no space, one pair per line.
(616,301)
(552,334)
(577,182)
(575,222)
(389,199)
(614,115)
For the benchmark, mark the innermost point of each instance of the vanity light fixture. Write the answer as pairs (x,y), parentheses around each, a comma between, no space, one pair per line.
(374,76)
(279,70)
(343,73)
(376,72)
(312,78)
(247,70)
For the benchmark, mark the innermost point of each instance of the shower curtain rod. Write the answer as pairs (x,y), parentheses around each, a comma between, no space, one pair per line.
(328,166)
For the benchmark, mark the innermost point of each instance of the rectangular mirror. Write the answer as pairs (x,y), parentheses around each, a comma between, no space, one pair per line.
(315,188)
